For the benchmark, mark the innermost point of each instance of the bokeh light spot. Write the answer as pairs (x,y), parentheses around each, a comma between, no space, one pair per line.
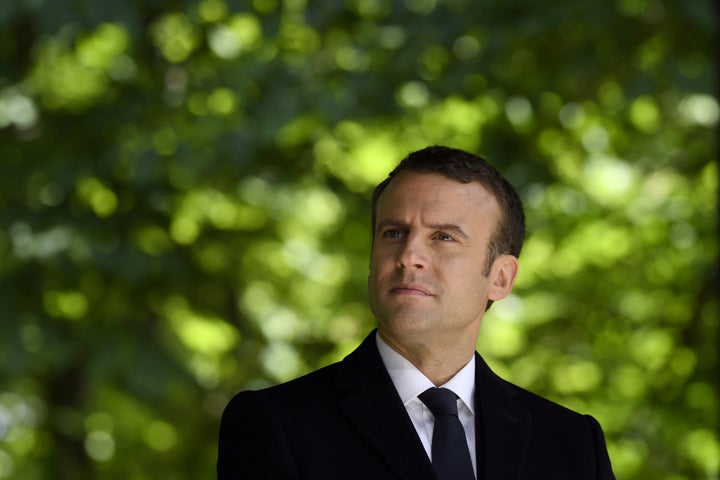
(645,114)
(160,436)
(100,446)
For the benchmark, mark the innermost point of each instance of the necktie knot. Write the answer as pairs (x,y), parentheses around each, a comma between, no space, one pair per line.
(440,401)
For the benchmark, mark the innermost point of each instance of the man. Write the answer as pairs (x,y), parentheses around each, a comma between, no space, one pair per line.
(447,232)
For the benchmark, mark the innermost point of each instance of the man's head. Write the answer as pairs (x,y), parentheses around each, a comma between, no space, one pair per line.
(447,229)
(466,167)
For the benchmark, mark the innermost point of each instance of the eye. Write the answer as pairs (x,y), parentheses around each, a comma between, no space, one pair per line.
(444,237)
(393,233)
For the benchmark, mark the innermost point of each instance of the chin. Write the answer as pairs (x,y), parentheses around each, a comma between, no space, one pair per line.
(409,323)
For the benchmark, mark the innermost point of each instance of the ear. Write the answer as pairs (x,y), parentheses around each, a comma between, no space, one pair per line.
(502,277)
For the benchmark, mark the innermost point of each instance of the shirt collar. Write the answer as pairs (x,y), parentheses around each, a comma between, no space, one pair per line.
(411,382)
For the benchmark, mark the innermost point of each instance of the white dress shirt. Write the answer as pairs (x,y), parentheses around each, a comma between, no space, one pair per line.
(411,382)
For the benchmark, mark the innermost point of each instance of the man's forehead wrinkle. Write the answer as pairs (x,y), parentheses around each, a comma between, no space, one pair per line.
(434,201)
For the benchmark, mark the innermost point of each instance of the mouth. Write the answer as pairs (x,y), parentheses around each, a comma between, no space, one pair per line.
(410,289)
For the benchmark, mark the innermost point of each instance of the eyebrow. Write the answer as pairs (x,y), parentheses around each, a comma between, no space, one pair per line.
(447,227)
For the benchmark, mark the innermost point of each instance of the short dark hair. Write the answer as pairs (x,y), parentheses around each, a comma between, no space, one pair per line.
(466,167)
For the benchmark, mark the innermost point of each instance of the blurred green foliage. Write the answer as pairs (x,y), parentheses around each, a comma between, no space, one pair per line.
(184,211)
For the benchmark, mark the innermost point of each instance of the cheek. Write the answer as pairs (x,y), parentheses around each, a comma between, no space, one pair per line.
(380,258)
(469,277)
(373,266)
(375,269)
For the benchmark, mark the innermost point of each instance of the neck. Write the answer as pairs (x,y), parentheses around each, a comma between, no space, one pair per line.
(438,361)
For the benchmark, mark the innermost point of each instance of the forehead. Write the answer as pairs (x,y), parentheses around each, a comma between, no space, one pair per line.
(411,193)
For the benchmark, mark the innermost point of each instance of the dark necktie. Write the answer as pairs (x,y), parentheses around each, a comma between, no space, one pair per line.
(450,455)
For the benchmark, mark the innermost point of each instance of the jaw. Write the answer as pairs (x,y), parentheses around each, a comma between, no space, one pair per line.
(416,325)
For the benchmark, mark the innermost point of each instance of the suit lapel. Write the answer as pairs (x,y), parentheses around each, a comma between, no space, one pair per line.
(368,399)
(505,426)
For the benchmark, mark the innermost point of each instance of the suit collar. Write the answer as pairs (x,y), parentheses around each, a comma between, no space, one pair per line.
(371,404)
(505,426)
(410,382)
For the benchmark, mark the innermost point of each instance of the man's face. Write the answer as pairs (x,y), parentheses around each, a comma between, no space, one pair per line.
(428,255)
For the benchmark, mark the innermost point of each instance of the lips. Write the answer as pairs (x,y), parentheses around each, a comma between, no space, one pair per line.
(410,289)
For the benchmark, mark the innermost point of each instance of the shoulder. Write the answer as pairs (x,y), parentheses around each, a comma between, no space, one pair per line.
(551,416)
(311,385)
(544,411)
(561,432)
(274,414)
(536,403)
(489,382)
(318,388)
(552,431)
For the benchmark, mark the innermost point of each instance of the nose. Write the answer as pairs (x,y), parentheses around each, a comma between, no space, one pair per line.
(412,254)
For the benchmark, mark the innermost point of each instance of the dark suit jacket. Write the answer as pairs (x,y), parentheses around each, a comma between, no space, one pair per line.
(346,421)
